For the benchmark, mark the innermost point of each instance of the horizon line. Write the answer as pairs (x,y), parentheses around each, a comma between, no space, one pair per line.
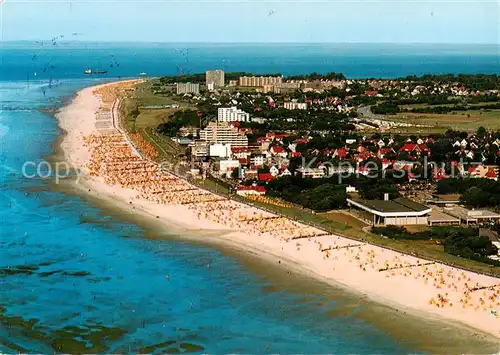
(260,43)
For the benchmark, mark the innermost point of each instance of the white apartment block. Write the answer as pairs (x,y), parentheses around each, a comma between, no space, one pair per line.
(188,88)
(215,76)
(295,105)
(260,80)
(315,173)
(232,114)
(223,133)
(220,150)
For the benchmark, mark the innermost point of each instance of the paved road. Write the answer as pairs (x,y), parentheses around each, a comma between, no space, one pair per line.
(366,113)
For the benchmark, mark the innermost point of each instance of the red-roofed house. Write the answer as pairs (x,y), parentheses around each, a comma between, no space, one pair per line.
(240,152)
(280,151)
(382,152)
(302,140)
(439,174)
(250,190)
(491,174)
(276,136)
(485,172)
(415,148)
(340,153)
(265,177)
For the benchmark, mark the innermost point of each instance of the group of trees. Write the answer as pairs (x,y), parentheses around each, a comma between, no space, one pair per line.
(386,108)
(317,76)
(316,195)
(328,193)
(474,192)
(178,120)
(463,242)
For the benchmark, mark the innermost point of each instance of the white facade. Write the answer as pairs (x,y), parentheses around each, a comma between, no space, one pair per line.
(258,160)
(188,88)
(220,150)
(295,105)
(315,173)
(260,80)
(232,114)
(223,133)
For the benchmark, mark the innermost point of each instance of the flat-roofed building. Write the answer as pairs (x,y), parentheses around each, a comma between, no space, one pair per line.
(314,173)
(400,211)
(439,218)
(188,88)
(254,81)
(223,133)
(471,216)
(215,76)
(199,149)
(268,88)
(220,150)
(232,114)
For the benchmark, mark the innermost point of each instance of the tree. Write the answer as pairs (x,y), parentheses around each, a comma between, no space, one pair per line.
(445,187)
(481,132)
(475,197)
(236,174)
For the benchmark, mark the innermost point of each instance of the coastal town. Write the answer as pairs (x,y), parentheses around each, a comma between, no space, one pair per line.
(212,167)
(249,177)
(124,166)
(325,143)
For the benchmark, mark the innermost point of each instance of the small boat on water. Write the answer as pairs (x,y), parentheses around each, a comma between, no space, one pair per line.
(89,71)
(143,74)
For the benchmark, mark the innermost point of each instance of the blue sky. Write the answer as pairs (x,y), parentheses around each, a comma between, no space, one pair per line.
(338,21)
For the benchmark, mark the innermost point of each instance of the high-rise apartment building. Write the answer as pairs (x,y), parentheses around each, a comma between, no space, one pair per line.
(188,88)
(260,80)
(223,133)
(215,76)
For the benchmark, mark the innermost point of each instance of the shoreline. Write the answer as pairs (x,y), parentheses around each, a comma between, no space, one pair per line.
(303,254)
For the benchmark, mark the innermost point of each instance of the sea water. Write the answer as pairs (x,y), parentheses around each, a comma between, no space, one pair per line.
(21,60)
(75,279)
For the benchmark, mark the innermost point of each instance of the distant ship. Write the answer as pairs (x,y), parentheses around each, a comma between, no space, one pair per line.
(143,74)
(89,71)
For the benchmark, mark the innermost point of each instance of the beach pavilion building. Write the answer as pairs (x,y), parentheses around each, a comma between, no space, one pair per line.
(400,211)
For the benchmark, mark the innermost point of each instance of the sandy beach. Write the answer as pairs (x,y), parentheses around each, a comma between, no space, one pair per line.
(112,168)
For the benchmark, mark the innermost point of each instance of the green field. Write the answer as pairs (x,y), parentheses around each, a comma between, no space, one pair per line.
(458,120)
(147,117)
